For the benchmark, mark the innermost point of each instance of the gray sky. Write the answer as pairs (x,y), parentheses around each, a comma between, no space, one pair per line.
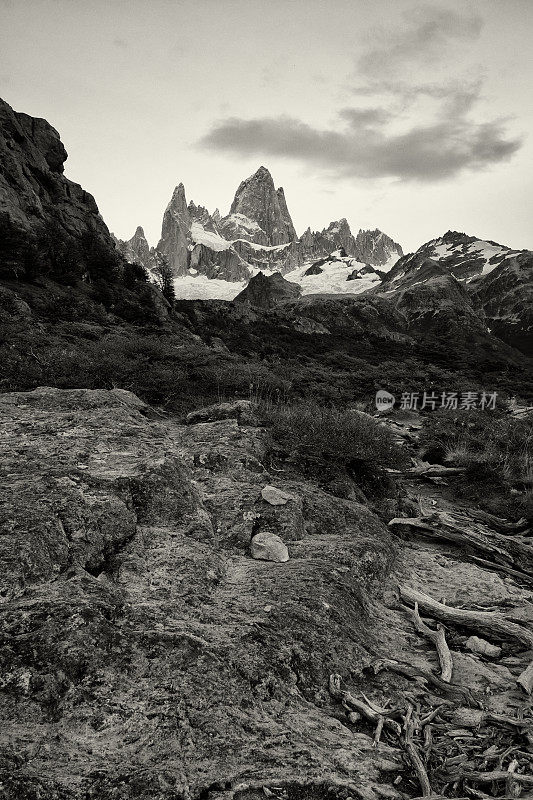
(410,117)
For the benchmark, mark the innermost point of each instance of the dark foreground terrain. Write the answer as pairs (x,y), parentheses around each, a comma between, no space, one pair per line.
(146,654)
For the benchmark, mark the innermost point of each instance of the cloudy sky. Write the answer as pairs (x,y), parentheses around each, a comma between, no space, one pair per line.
(412,117)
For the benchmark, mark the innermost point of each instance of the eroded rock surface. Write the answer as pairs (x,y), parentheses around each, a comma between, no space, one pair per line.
(145,654)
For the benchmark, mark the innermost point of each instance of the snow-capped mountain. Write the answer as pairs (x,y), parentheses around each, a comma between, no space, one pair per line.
(497,280)
(208,251)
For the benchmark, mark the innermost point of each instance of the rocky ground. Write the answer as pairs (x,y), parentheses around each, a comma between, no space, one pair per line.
(147,654)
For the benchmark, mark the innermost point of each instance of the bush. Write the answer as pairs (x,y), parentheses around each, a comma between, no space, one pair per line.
(332,435)
(469,438)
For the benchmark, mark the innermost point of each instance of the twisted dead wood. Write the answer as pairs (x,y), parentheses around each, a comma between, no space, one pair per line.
(491,624)
(438,638)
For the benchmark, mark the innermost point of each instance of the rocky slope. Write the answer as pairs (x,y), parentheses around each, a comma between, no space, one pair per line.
(146,653)
(498,281)
(268,291)
(42,211)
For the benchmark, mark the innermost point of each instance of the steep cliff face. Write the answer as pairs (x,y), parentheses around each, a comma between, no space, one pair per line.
(368,247)
(257,200)
(376,248)
(175,232)
(40,208)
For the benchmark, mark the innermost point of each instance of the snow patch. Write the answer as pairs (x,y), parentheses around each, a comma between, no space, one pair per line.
(200,287)
(334,277)
(208,238)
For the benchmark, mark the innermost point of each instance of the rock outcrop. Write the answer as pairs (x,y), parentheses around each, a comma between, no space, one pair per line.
(266,291)
(41,211)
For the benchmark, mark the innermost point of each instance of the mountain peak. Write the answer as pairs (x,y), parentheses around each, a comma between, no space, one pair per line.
(259,201)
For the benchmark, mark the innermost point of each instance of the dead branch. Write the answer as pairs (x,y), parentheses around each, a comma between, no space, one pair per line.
(512,787)
(378,731)
(416,672)
(368,713)
(454,528)
(499,523)
(489,777)
(475,718)
(414,756)
(431,470)
(490,623)
(438,638)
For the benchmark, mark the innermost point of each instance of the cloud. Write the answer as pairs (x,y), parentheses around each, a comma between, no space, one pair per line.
(424,40)
(416,128)
(364,149)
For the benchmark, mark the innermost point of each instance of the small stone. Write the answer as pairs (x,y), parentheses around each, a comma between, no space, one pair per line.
(276,497)
(268,546)
(477,645)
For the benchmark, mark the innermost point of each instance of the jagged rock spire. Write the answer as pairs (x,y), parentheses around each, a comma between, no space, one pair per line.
(175,232)
(258,200)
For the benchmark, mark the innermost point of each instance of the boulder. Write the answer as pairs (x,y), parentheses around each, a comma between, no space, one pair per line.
(267,546)
(276,497)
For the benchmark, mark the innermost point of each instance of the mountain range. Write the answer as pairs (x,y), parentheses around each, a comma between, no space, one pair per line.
(50,225)
(256,234)
(214,257)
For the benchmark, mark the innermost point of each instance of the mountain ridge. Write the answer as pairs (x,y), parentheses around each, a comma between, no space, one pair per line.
(259,216)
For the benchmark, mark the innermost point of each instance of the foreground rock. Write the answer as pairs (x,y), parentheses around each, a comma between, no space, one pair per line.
(269,547)
(144,653)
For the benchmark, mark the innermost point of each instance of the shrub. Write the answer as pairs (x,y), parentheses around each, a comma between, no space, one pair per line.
(469,438)
(327,434)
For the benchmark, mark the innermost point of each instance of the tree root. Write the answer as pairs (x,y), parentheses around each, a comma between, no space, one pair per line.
(414,756)
(362,708)
(491,624)
(438,638)
(415,672)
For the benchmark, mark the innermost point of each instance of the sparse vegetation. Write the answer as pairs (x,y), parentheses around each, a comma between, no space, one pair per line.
(496,450)
(310,430)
